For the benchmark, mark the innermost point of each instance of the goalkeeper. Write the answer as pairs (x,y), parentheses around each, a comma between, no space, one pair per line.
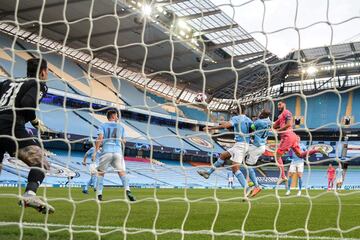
(19,99)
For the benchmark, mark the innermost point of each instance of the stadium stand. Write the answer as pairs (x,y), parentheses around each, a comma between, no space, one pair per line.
(60,63)
(324,109)
(135,98)
(160,135)
(143,173)
(68,76)
(199,140)
(60,120)
(20,65)
(194,113)
(184,111)
(165,104)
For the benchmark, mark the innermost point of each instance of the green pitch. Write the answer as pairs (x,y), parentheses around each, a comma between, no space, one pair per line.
(79,216)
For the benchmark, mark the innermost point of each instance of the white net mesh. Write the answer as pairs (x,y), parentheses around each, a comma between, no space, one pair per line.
(172,68)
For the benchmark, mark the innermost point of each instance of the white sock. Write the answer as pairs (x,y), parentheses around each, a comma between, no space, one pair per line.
(30,192)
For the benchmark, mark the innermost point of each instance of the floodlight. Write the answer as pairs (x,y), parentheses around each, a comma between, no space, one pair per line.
(311,70)
(182,33)
(183,25)
(146,10)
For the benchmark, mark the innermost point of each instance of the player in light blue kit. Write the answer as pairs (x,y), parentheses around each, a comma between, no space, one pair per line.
(339,176)
(237,153)
(92,169)
(296,167)
(111,136)
(261,126)
(230,177)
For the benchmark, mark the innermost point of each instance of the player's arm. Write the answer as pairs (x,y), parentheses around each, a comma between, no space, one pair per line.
(287,125)
(30,101)
(123,141)
(276,124)
(85,158)
(221,125)
(98,142)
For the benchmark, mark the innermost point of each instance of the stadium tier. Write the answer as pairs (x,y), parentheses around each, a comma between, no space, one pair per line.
(322,109)
(67,76)
(144,174)
(195,113)
(66,120)
(72,121)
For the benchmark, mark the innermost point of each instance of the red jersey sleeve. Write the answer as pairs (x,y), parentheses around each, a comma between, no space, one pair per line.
(287,116)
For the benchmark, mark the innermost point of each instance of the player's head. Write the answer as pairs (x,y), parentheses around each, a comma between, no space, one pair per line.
(281,106)
(240,109)
(264,114)
(112,115)
(37,67)
(330,165)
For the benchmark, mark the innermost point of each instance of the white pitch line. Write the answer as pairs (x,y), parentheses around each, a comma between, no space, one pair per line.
(163,231)
(256,202)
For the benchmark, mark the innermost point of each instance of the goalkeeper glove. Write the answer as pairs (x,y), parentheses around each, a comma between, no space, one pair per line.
(37,123)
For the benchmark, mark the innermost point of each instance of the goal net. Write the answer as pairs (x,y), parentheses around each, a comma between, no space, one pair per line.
(177,72)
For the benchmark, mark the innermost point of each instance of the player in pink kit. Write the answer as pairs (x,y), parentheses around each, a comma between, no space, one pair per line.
(289,140)
(331,177)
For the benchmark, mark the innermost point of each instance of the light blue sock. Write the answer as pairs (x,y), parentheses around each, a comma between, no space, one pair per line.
(89,183)
(289,183)
(252,176)
(86,187)
(240,176)
(300,183)
(217,164)
(93,180)
(125,182)
(99,185)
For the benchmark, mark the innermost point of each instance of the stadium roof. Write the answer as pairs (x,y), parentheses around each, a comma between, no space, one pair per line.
(344,58)
(187,41)
(183,40)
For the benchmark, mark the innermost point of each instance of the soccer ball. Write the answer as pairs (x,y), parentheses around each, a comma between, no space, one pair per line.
(200,97)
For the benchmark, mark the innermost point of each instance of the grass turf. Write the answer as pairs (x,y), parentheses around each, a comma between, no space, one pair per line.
(172,217)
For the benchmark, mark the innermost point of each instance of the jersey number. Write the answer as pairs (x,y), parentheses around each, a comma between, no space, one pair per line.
(9,96)
(265,134)
(113,134)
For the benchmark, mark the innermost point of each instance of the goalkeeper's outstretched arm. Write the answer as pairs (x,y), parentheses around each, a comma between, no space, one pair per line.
(30,102)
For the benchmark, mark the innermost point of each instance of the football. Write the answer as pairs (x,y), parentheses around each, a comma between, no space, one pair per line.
(201,97)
